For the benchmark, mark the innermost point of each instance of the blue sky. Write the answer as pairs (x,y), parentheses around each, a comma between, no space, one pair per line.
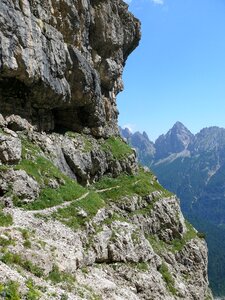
(178,71)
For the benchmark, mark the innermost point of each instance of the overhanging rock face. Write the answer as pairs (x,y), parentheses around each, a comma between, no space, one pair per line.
(61,62)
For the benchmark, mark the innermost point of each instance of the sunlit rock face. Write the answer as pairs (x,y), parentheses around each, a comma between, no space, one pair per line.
(61,61)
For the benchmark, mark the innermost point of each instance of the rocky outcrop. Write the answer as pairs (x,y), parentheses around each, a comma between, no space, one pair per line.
(85,158)
(10,149)
(61,62)
(20,184)
(119,236)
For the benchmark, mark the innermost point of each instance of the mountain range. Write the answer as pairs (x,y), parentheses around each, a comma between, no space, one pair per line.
(193,167)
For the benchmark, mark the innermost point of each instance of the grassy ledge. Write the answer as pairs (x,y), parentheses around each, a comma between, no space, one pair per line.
(72,215)
(141,184)
(117,147)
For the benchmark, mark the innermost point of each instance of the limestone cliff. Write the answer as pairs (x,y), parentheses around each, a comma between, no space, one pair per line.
(61,61)
(79,219)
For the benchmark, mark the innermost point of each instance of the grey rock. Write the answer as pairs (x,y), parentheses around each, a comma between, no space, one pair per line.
(2,121)
(10,132)
(16,123)
(165,219)
(10,149)
(81,156)
(66,73)
(21,185)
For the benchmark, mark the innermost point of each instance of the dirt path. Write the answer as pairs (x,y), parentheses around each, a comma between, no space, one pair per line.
(49,210)
(108,189)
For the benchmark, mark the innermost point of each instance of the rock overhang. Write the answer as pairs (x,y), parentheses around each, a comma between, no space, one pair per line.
(62,62)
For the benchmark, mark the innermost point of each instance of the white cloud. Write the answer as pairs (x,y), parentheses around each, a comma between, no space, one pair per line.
(160,2)
(131,127)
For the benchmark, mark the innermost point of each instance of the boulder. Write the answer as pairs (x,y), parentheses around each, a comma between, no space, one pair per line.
(16,123)
(20,183)
(10,149)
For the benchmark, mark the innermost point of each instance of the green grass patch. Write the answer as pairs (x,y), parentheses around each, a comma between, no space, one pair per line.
(70,215)
(158,245)
(29,149)
(113,218)
(141,184)
(42,170)
(117,147)
(57,276)
(9,291)
(167,277)
(5,242)
(142,266)
(13,258)
(178,244)
(4,168)
(33,292)
(5,219)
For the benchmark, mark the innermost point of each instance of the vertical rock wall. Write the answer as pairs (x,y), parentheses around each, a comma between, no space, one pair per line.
(61,61)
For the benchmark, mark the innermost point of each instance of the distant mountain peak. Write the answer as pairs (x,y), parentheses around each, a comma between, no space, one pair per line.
(175,140)
(178,126)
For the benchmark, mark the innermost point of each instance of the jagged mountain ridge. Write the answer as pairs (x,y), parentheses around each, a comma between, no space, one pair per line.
(144,147)
(79,219)
(192,166)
